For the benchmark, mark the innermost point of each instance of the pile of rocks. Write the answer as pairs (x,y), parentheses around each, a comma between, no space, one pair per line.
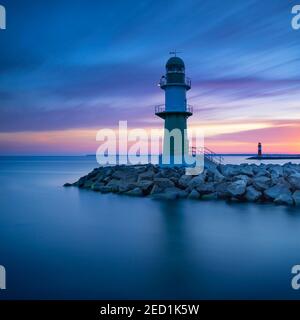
(245,182)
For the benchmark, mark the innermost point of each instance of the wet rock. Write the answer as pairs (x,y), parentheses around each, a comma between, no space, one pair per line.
(246,170)
(97,186)
(237,188)
(289,169)
(252,194)
(145,186)
(148,175)
(262,183)
(231,182)
(276,170)
(125,186)
(243,177)
(206,188)
(155,190)
(296,197)
(194,194)
(230,170)
(105,189)
(179,193)
(87,184)
(209,196)
(163,183)
(184,180)
(136,192)
(262,173)
(68,185)
(294,180)
(114,185)
(277,190)
(284,199)
(222,190)
(218,176)
(196,181)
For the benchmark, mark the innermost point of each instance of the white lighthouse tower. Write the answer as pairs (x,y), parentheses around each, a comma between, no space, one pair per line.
(175,111)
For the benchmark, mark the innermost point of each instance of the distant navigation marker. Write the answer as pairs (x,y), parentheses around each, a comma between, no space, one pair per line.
(259,150)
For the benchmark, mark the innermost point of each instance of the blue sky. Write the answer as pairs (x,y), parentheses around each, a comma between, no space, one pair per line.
(83,65)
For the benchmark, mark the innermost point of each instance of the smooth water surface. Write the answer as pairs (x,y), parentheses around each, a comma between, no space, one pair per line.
(63,243)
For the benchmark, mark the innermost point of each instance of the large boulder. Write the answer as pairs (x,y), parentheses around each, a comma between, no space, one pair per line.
(168,194)
(252,194)
(277,190)
(155,190)
(218,177)
(243,177)
(289,169)
(107,171)
(261,170)
(184,180)
(237,188)
(196,181)
(114,185)
(179,193)
(285,199)
(105,189)
(148,175)
(169,173)
(194,194)
(164,183)
(296,197)
(125,186)
(126,173)
(97,186)
(206,188)
(68,184)
(88,184)
(246,170)
(221,190)
(262,183)
(145,186)
(136,192)
(214,174)
(230,170)
(276,170)
(294,180)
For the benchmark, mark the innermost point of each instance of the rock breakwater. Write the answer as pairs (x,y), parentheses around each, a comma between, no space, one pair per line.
(279,184)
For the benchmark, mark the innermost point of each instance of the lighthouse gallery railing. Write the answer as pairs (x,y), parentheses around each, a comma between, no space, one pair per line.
(163,81)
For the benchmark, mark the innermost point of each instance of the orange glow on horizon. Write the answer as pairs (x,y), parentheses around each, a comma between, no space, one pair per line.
(222,138)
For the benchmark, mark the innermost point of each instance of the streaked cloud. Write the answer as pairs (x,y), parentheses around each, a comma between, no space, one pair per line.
(67,70)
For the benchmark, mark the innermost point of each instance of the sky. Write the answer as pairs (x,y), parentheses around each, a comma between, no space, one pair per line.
(68,69)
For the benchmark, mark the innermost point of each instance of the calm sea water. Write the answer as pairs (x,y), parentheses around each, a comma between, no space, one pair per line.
(63,243)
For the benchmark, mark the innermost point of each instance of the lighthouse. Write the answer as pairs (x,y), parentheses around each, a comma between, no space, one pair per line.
(175,112)
(259,149)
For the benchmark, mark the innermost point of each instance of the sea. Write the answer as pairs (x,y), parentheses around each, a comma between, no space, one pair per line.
(66,243)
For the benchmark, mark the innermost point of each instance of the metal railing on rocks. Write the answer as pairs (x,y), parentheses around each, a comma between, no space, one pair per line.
(208,154)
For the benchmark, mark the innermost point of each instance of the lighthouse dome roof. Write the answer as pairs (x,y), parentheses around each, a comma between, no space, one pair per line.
(175,62)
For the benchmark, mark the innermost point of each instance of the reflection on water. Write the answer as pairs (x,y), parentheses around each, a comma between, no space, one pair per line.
(69,243)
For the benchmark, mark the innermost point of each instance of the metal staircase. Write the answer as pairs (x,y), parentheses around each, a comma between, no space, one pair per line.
(208,154)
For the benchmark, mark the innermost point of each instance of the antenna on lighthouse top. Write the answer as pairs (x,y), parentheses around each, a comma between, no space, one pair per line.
(174,52)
